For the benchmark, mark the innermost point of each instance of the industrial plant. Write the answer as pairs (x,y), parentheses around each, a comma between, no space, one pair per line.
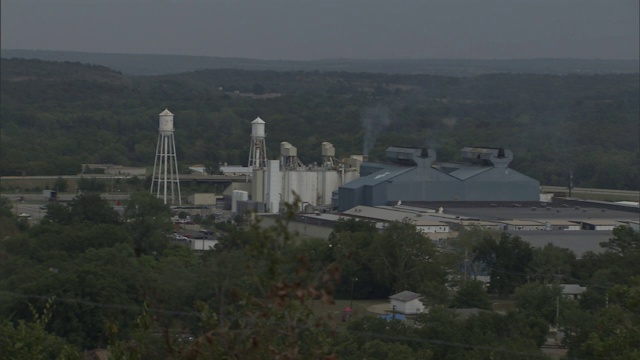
(412,174)
(408,174)
(275,182)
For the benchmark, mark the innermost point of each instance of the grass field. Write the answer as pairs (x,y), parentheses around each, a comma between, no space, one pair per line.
(333,312)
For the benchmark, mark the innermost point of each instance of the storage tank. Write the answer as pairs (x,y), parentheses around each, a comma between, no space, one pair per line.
(328,149)
(286,149)
(166,122)
(238,195)
(257,128)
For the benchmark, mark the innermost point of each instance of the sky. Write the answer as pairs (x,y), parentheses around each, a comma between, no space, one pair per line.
(320,29)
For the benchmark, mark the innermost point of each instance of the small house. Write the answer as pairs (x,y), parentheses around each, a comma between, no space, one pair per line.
(572,291)
(406,302)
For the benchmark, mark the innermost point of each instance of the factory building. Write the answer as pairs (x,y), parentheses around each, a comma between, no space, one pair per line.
(287,178)
(412,174)
(275,182)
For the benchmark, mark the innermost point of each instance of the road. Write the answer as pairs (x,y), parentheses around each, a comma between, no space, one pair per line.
(32,203)
(623,193)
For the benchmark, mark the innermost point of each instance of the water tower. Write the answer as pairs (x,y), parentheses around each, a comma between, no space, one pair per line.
(165,179)
(258,151)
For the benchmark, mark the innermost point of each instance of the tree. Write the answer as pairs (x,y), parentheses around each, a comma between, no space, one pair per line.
(213,168)
(92,208)
(30,339)
(405,259)
(486,335)
(551,264)
(625,241)
(472,294)
(57,213)
(8,222)
(464,246)
(615,331)
(350,242)
(271,318)
(91,185)
(148,219)
(375,338)
(541,300)
(507,259)
(60,184)
(257,89)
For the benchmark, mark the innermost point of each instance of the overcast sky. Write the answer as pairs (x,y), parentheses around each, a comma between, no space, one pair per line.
(317,29)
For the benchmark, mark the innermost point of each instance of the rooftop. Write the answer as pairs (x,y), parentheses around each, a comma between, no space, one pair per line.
(405,296)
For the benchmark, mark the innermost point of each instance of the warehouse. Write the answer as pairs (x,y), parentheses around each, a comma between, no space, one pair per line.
(412,174)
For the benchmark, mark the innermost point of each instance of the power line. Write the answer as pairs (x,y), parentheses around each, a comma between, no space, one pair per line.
(275,322)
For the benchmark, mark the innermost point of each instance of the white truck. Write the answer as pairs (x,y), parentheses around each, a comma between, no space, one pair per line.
(50,195)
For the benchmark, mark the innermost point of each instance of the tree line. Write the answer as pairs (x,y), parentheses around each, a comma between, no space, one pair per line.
(56,116)
(88,277)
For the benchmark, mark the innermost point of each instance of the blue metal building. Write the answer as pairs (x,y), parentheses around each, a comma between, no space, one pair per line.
(411,174)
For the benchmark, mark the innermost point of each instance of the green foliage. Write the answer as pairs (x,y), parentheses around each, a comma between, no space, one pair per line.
(471,294)
(281,303)
(92,208)
(551,264)
(60,185)
(403,258)
(91,185)
(625,241)
(30,339)
(554,124)
(507,259)
(615,331)
(9,224)
(148,220)
(482,336)
(541,300)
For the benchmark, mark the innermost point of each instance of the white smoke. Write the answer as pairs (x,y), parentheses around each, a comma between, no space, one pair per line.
(374,120)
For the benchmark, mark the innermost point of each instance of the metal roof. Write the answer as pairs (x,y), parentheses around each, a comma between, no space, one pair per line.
(166,112)
(460,170)
(521,222)
(572,289)
(390,214)
(577,241)
(258,121)
(405,296)
(465,172)
(377,177)
(604,222)
(559,222)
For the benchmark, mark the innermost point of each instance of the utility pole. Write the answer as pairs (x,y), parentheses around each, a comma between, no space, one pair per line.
(352,281)
(557,311)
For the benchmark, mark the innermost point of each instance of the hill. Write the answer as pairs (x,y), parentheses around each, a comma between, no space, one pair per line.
(59,115)
(146,64)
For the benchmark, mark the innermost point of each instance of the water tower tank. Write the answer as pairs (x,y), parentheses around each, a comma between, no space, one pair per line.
(257,128)
(166,122)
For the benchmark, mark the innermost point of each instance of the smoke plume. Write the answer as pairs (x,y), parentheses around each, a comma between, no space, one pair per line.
(374,121)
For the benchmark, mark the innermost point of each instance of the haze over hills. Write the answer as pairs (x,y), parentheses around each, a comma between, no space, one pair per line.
(148,64)
(56,116)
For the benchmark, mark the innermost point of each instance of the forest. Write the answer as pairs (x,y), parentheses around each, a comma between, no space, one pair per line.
(57,115)
(156,64)
(89,278)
